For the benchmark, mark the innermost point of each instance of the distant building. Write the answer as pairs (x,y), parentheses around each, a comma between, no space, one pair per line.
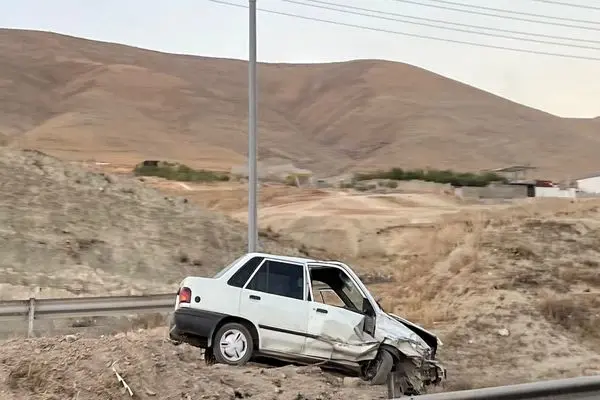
(515,172)
(589,184)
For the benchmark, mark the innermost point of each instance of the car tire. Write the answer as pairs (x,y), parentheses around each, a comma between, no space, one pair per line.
(233,344)
(384,362)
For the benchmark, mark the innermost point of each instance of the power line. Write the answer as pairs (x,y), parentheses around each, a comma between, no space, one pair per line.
(457,23)
(411,34)
(456,3)
(495,35)
(511,17)
(560,3)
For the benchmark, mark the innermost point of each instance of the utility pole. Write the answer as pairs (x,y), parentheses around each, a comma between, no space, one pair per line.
(252,148)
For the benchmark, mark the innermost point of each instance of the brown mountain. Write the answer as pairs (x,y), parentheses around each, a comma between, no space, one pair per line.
(82,99)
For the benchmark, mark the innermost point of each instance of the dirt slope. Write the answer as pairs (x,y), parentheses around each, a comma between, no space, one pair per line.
(71,231)
(61,368)
(513,294)
(83,99)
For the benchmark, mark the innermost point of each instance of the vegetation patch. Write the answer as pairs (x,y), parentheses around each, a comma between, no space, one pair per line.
(457,179)
(177,172)
(573,314)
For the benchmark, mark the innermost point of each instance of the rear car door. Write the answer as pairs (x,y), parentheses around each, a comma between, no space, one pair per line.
(274,300)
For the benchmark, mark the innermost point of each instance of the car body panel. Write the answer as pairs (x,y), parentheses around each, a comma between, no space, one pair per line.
(280,330)
(337,334)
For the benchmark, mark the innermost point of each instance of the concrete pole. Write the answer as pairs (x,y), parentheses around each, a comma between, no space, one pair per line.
(252,148)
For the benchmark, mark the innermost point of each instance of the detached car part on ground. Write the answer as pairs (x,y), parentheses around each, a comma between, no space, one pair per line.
(275,306)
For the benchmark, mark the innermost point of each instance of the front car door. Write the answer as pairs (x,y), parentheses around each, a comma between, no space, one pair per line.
(342,330)
(274,300)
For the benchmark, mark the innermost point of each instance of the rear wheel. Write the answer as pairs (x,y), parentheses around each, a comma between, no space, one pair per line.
(378,370)
(233,344)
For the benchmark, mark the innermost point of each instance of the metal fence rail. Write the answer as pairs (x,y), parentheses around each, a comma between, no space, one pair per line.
(32,309)
(581,388)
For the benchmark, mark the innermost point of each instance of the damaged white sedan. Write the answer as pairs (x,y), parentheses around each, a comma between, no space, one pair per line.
(303,311)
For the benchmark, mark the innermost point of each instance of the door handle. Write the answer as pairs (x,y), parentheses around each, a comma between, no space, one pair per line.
(254,297)
(321,310)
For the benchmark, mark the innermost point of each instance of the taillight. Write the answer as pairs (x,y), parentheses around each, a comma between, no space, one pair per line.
(185,295)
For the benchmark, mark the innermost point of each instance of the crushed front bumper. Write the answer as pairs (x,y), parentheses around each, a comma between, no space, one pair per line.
(433,372)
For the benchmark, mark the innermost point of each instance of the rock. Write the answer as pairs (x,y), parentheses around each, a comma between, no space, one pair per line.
(308,370)
(352,382)
(229,392)
(70,338)
(503,332)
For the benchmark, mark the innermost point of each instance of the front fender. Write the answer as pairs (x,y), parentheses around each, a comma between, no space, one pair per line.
(403,348)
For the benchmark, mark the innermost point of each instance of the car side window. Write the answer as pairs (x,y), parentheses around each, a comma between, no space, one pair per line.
(242,275)
(279,278)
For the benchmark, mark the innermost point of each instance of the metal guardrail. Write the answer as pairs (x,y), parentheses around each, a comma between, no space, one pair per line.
(32,309)
(581,388)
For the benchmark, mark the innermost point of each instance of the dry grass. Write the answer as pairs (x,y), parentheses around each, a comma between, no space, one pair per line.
(530,270)
(577,314)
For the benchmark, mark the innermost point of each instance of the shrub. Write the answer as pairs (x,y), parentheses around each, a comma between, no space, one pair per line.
(435,175)
(290,180)
(178,172)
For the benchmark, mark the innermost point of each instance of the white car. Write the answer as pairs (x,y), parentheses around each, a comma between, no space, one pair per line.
(303,311)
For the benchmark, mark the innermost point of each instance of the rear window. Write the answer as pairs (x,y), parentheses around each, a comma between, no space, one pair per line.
(242,275)
(227,268)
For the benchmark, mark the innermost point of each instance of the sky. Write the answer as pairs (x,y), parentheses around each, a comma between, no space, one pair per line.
(562,86)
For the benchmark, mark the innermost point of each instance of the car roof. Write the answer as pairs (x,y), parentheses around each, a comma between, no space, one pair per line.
(301,260)
(283,258)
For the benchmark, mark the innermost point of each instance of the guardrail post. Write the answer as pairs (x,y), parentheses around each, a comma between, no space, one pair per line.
(32,312)
(31,316)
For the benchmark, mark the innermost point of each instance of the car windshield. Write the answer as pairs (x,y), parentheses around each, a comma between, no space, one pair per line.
(227,268)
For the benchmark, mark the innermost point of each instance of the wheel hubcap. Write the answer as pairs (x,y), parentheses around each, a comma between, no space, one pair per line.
(234,345)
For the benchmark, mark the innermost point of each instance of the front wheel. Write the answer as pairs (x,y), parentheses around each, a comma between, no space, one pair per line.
(378,370)
(233,344)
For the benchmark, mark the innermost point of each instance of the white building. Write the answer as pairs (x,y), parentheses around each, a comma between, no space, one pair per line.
(589,184)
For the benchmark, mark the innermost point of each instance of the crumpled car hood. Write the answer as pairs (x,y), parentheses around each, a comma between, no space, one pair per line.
(392,331)
(388,327)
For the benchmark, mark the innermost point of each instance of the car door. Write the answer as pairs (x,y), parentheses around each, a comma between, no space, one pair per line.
(337,332)
(274,300)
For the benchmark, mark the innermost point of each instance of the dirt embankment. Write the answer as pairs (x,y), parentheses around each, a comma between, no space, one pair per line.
(81,368)
(513,294)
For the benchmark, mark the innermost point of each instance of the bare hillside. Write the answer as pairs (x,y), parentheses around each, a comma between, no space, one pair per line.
(81,99)
(71,231)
